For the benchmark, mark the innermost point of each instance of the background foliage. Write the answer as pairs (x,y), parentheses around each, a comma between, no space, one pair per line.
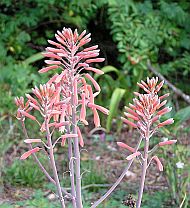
(128,32)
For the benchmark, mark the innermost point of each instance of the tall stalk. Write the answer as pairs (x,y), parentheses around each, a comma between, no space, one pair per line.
(102,198)
(40,164)
(144,169)
(76,150)
(53,165)
(71,170)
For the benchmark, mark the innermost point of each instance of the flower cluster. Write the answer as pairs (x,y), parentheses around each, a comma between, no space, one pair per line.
(55,99)
(145,113)
(63,101)
(147,109)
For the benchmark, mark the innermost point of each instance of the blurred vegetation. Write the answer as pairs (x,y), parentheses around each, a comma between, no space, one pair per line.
(129,33)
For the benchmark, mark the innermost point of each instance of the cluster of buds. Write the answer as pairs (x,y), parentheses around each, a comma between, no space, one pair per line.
(54,99)
(66,52)
(145,113)
(63,101)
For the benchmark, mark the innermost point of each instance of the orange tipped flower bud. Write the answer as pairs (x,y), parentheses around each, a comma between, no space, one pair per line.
(131,116)
(159,86)
(27,115)
(27,154)
(164,96)
(91,48)
(159,164)
(123,145)
(167,142)
(81,141)
(29,141)
(167,122)
(131,111)
(52,55)
(164,111)
(129,122)
(132,156)
(46,69)
(97,71)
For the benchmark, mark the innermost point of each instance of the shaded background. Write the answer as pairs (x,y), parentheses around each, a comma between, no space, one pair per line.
(129,33)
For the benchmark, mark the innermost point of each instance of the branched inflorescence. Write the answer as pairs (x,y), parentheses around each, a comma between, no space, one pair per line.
(144,115)
(61,104)
(63,100)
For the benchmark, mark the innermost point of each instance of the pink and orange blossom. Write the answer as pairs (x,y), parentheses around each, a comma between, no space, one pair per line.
(145,114)
(63,101)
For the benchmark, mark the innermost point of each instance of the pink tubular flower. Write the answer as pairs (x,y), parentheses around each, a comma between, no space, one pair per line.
(66,136)
(96,118)
(100,108)
(146,109)
(29,141)
(83,110)
(81,141)
(167,122)
(27,154)
(27,115)
(130,157)
(129,122)
(96,85)
(97,71)
(164,111)
(123,145)
(167,142)
(159,164)
(46,69)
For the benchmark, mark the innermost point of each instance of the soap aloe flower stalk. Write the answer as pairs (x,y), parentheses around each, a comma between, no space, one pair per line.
(144,114)
(72,61)
(123,174)
(64,95)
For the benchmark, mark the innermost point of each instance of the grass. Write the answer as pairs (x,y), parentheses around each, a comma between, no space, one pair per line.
(159,199)
(24,173)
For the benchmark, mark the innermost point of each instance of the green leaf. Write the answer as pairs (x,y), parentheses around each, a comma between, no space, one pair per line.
(33,58)
(107,69)
(182,115)
(114,103)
